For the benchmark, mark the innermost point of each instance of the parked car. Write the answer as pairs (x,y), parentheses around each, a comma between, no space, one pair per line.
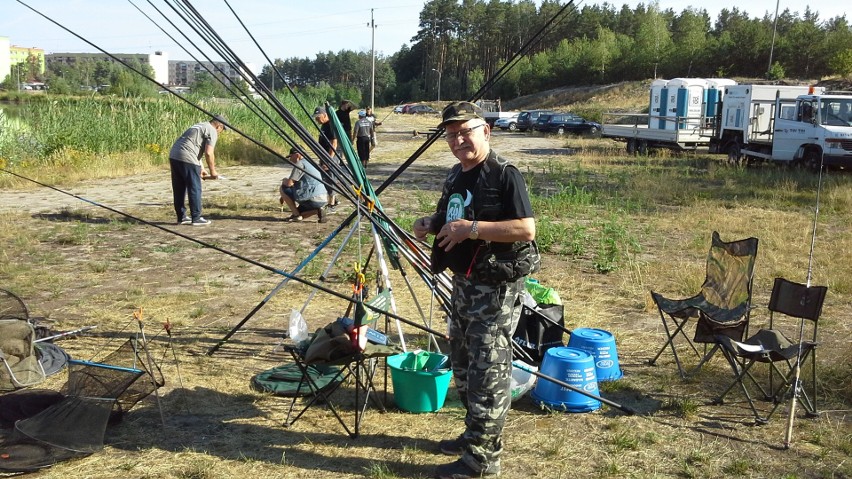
(540,123)
(527,118)
(561,123)
(510,124)
(399,108)
(420,109)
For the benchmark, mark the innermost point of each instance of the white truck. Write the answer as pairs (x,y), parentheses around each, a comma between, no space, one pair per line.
(793,125)
(492,111)
(778,123)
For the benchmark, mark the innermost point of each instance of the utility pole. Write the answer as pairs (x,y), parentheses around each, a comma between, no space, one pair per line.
(439,83)
(774,31)
(373,60)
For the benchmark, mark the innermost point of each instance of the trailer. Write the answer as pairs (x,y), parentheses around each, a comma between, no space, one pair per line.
(681,116)
(792,125)
(634,130)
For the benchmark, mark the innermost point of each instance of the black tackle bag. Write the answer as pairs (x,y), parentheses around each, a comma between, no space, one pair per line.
(539,329)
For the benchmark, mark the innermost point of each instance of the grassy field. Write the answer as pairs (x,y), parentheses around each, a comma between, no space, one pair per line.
(612,226)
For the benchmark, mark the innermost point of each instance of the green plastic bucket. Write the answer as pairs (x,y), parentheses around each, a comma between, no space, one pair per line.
(420,380)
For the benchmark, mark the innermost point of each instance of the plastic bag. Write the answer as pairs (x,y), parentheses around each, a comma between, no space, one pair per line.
(542,294)
(298,328)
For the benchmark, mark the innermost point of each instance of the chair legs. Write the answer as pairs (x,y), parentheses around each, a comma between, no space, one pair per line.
(670,336)
(361,370)
(777,395)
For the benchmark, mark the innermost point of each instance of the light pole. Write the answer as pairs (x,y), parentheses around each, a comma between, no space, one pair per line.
(372,62)
(439,82)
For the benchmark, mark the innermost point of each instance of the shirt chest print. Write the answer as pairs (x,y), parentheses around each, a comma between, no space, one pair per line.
(456,206)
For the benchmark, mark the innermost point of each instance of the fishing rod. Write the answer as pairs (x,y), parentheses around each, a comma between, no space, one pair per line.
(791,417)
(65,334)
(272,269)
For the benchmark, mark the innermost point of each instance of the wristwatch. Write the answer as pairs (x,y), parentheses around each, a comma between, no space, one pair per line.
(474,230)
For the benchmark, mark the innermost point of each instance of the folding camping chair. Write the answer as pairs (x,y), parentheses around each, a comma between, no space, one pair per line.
(326,362)
(722,306)
(773,347)
(19,364)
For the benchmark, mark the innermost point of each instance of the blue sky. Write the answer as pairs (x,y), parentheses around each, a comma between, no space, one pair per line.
(284,28)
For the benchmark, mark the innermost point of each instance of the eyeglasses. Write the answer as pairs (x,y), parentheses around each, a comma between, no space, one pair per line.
(463,133)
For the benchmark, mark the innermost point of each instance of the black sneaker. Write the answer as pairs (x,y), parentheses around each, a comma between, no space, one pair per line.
(185,221)
(453,447)
(460,470)
(201,221)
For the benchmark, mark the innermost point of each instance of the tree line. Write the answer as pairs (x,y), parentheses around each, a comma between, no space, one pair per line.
(458,46)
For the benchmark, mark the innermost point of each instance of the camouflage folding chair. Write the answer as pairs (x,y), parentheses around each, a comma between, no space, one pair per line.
(722,306)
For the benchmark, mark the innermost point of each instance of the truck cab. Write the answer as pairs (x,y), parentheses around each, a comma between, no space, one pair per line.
(816,129)
(785,124)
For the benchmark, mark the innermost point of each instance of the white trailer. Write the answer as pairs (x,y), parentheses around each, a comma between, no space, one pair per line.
(634,130)
(682,114)
(785,124)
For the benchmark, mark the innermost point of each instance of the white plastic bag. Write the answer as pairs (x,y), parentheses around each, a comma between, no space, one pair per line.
(298,328)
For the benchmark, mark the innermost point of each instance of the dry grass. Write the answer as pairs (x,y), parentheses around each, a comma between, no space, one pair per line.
(84,266)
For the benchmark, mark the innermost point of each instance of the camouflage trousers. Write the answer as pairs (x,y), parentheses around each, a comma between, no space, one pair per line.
(481,326)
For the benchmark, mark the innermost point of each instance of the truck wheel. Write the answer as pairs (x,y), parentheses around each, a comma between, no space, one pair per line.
(560,130)
(811,161)
(734,154)
(513,126)
(643,147)
(631,146)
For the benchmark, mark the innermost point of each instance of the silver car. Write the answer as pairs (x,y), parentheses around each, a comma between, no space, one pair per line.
(510,124)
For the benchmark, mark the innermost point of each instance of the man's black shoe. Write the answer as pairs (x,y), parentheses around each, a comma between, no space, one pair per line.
(453,447)
(460,470)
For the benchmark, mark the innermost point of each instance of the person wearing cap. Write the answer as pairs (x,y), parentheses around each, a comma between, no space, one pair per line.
(364,131)
(302,191)
(328,141)
(188,171)
(376,124)
(484,233)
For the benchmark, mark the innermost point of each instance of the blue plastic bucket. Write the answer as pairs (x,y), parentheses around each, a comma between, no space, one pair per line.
(575,367)
(601,345)
(420,381)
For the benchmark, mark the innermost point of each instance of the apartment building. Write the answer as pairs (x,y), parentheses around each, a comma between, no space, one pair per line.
(159,61)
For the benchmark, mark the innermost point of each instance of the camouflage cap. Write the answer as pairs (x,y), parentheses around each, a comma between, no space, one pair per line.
(459,111)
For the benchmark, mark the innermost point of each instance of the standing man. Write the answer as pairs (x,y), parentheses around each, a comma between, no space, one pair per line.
(187,171)
(302,191)
(484,231)
(328,141)
(364,131)
(376,124)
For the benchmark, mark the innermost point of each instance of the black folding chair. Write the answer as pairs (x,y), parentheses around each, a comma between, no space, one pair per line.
(722,306)
(772,346)
(340,364)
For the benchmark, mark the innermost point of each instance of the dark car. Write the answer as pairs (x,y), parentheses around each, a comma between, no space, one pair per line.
(419,109)
(527,118)
(561,123)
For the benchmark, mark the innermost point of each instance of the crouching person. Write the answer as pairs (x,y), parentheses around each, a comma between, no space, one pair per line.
(302,191)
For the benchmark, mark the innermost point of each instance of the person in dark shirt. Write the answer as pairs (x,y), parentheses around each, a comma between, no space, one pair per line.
(484,210)
(328,141)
